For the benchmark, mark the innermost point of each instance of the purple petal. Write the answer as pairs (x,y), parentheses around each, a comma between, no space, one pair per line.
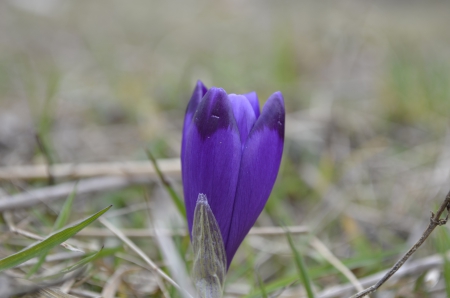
(253,99)
(260,162)
(243,113)
(197,95)
(211,158)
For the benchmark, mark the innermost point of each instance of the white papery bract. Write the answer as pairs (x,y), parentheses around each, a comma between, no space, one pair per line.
(210,263)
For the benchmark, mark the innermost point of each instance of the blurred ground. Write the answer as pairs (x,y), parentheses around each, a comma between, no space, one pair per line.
(367,90)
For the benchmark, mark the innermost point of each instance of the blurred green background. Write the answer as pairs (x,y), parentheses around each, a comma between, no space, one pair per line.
(367,91)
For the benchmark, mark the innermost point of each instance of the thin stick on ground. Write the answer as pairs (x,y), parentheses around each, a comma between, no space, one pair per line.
(435,221)
(61,191)
(170,168)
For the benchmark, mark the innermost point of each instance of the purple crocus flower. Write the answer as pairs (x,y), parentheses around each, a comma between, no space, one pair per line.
(231,153)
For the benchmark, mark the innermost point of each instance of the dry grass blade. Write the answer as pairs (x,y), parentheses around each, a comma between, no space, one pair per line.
(144,233)
(110,289)
(14,288)
(60,191)
(170,167)
(171,255)
(85,293)
(328,255)
(52,293)
(137,250)
(55,258)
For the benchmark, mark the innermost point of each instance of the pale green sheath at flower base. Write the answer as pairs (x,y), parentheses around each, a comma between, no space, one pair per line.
(210,263)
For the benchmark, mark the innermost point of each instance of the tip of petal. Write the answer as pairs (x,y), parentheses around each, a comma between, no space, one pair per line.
(244,114)
(218,90)
(273,114)
(198,93)
(278,96)
(253,99)
(213,113)
(200,86)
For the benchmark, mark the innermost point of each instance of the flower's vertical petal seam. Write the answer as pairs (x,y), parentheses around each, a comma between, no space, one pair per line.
(253,99)
(212,158)
(243,113)
(197,95)
(259,168)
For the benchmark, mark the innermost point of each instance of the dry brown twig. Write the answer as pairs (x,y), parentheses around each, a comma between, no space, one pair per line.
(435,221)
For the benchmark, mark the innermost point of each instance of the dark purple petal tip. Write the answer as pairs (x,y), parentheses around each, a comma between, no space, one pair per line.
(273,115)
(197,95)
(213,113)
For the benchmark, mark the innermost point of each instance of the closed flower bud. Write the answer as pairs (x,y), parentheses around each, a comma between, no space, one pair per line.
(231,153)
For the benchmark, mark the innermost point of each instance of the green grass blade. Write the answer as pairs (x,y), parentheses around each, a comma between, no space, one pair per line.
(301,267)
(71,268)
(36,266)
(322,270)
(89,258)
(443,246)
(82,262)
(60,222)
(48,243)
(64,214)
(43,144)
(261,286)
(173,194)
